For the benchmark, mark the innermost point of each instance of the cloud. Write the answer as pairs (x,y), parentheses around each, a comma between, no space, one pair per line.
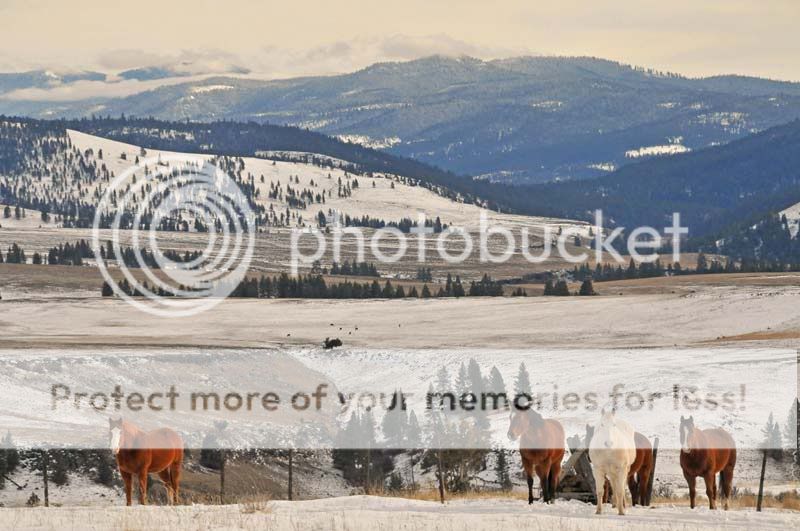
(347,56)
(83,90)
(184,63)
(267,63)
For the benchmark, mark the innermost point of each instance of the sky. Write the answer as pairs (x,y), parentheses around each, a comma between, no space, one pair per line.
(298,37)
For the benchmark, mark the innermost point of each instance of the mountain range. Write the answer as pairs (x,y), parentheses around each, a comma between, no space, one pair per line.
(520,120)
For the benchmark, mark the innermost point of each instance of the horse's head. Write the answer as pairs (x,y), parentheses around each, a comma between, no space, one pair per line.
(524,421)
(114,435)
(687,431)
(608,423)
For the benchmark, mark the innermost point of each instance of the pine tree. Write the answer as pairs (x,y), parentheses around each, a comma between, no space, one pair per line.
(587,288)
(105,471)
(501,470)
(522,383)
(496,384)
(772,443)
(462,381)
(791,432)
(414,432)
(548,287)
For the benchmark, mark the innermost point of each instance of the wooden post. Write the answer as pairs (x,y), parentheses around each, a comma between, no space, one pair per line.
(652,474)
(761,481)
(45,458)
(440,471)
(411,459)
(222,476)
(290,473)
(369,463)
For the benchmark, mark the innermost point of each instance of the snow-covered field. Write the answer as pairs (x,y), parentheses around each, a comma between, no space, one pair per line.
(693,315)
(376,513)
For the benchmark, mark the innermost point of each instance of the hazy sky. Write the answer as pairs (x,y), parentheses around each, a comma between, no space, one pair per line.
(280,38)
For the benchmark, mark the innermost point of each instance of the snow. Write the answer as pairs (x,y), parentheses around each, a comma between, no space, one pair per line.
(366,141)
(381,200)
(648,151)
(210,88)
(793,217)
(603,166)
(371,512)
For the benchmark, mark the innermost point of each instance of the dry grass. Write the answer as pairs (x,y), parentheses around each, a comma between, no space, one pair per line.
(789,500)
(433,495)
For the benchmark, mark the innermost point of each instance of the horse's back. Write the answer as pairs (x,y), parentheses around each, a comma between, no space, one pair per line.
(724,447)
(166,448)
(164,438)
(644,453)
(555,435)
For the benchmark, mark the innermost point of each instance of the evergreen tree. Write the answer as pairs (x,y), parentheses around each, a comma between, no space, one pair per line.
(496,383)
(773,442)
(414,432)
(587,288)
(522,383)
(501,470)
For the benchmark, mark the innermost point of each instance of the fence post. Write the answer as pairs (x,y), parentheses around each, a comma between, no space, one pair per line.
(45,459)
(653,473)
(761,481)
(222,458)
(291,451)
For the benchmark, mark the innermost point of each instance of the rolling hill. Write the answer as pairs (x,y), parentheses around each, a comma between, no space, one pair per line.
(528,119)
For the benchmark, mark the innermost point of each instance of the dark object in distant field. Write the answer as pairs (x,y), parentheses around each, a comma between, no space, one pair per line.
(331,343)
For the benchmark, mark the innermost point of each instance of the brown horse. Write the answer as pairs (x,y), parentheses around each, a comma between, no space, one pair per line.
(541,445)
(705,453)
(639,472)
(141,453)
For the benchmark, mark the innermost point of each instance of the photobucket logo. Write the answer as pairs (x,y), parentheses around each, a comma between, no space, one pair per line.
(641,243)
(173,193)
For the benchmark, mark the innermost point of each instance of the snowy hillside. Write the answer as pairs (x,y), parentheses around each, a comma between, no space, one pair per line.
(384,197)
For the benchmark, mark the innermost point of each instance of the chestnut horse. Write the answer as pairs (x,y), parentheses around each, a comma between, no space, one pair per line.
(640,472)
(705,453)
(541,445)
(140,453)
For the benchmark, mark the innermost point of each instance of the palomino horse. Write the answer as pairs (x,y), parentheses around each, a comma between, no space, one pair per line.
(140,453)
(612,451)
(704,453)
(640,472)
(541,445)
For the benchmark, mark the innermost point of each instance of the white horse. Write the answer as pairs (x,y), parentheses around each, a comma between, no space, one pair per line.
(612,452)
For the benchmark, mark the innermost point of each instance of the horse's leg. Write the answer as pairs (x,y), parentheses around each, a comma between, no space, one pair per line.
(727,484)
(166,479)
(606,491)
(530,488)
(692,481)
(633,486)
(600,487)
(711,489)
(618,487)
(555,471)
(143,487)
(642,482)
(175,472)
(541,473)
(128,481)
